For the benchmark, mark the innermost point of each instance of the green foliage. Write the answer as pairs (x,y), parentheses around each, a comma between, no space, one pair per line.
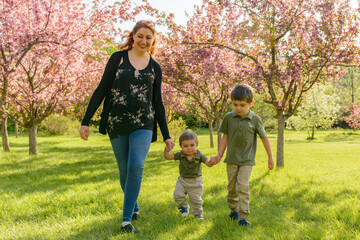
(267,113)
(192,121)
(71,190)
(270,125)
(319,111)
(348,87)
(176,127)
(348,91)
(59,125)
(11,126)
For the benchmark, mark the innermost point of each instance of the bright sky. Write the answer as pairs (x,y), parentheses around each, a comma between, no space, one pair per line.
(169,6)
(179,8)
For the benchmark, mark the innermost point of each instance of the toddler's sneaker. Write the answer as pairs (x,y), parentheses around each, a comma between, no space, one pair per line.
(234,215)
(184,211)
(244,222)
(199,216)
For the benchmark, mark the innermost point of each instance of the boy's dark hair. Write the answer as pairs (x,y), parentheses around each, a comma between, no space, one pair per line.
(242,92)
(188,135)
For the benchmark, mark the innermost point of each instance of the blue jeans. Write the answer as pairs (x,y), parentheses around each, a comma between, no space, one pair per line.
(130,152)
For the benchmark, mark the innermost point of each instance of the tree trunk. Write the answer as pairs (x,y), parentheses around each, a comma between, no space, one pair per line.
(352,73)
(16,130)
(32,131)
(4,90)
(4,135)
(280,140)
(211,136)
(312,132)
(218,124)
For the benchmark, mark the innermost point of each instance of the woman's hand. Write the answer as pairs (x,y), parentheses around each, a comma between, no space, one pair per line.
(169,144)
(84,132)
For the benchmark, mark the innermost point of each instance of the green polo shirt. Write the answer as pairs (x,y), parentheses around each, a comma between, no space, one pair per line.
(241,149)
(192,168)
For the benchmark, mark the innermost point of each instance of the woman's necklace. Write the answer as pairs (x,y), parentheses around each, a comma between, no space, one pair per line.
(136,73)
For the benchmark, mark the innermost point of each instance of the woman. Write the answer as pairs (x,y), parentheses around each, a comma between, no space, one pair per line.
(131,86)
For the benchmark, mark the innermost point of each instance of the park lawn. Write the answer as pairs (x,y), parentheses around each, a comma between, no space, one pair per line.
(71,191)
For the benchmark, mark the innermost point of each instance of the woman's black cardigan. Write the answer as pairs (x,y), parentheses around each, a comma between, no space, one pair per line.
(103,91)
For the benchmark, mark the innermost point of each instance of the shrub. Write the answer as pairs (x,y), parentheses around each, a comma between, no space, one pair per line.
(270,125)
(267,113)
(60,125)
(176,127)
(192,121)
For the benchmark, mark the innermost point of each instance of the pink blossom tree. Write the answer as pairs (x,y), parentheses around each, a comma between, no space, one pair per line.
(28,23)
(354,118)
(203,75)
(174,102)
(46,81)
(46,49)
(289,46)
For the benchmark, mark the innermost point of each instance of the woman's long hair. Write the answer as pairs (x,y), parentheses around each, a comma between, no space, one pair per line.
(129,35)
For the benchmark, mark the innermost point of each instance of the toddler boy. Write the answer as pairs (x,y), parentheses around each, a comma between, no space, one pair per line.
(189,181)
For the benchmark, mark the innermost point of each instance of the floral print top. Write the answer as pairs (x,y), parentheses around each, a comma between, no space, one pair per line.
(133,97)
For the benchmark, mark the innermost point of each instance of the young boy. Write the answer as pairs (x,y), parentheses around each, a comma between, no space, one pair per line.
(189,181)
(239,129)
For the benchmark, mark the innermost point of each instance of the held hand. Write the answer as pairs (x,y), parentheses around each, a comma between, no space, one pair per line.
(84,132)
(165,150)
(209,163)
(212,161)
(169,144)
(215,160)
(270,163)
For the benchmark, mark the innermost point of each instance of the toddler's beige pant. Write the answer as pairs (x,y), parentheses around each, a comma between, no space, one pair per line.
(193,187)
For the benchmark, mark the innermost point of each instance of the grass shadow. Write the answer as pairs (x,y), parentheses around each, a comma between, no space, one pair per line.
(78,168)
(341,137)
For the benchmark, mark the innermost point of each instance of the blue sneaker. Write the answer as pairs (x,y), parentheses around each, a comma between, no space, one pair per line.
(234,215)
(244,222)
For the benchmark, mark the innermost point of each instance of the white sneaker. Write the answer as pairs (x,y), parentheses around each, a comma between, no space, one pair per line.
(184,211)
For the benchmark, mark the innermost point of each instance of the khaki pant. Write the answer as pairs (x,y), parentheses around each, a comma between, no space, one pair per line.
(193,187)
(238,188)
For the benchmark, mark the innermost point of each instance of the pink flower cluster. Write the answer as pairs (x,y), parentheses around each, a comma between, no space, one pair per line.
(354,118)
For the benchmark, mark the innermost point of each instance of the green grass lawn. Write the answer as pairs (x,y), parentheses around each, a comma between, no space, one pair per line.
(71,191)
